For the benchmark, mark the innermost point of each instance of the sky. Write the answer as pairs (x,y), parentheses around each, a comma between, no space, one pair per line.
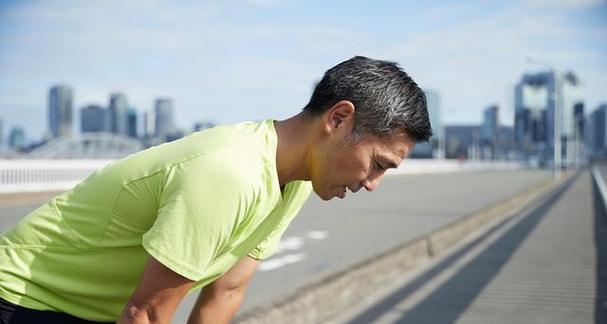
(235,60)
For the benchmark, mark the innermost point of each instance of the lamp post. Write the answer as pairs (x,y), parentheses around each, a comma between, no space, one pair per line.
(557,98)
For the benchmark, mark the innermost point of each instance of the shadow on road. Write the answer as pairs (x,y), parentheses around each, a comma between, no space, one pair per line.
(450,300)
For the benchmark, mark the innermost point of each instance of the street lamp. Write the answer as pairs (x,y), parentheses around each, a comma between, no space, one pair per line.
(557,114)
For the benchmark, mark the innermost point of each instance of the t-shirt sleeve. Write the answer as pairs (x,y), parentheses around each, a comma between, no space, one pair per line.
(202,201)
(297,195)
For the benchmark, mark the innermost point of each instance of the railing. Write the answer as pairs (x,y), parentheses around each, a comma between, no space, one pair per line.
(45,175)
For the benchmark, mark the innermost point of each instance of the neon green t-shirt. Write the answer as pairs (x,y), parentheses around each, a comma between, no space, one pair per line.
(197,205)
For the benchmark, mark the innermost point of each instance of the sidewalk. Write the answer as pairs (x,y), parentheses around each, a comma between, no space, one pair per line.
(545,266)
(26,198)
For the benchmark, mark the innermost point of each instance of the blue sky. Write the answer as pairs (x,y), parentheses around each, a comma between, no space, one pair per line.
(229,61)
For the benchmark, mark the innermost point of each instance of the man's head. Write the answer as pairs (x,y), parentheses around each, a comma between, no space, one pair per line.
(371,114)
(384,96)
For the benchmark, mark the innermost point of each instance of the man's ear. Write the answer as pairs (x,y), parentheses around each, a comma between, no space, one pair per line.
(340,116)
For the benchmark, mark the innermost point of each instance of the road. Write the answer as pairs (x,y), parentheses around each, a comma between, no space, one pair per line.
(329,237)
(546,265)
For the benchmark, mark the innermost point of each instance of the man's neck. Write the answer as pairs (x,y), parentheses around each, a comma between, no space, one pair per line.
(293,138)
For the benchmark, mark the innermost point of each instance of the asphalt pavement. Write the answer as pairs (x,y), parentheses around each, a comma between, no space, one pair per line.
(546,265)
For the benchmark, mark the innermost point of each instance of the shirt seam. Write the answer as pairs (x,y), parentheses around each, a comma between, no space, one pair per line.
(74,233)
(184,270)
(115,200)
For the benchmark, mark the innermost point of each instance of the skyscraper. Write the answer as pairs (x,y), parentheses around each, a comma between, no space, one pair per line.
(534,106)
(536,97)
(118,114)
(94,118)
(578,116)
(489,130)
(596,131)
(149,124)
(16,139)
(132,123)
(60,111)
(163,111)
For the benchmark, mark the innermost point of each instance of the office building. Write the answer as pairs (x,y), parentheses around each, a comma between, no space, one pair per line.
(596,132)
(534,107)
(132,123)
(60,111)
(149,124)
(163,112)
(535,99)
(16,138)
(578,116)
(462,141)
(118,114)
(94,119)
(489,132)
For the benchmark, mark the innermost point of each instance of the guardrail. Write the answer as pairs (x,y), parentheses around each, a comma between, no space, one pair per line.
(37,175)
(413,166)
(600,184)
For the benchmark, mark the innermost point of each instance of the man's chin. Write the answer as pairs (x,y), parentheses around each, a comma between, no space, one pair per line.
(325,196)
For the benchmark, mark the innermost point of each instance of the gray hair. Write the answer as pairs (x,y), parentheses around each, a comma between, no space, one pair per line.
(384,96)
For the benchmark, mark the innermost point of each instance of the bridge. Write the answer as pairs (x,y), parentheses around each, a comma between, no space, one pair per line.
(438,242)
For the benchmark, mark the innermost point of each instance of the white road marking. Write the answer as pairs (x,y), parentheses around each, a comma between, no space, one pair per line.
(282,261)
(317,235)
(289,243)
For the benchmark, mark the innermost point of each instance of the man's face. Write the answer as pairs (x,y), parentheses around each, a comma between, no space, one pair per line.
(344,164)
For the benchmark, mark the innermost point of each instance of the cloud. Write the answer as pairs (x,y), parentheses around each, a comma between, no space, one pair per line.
(478,62)
(268,3)
(563,4)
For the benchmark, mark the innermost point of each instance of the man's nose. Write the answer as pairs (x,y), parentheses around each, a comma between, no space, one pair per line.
(371,184)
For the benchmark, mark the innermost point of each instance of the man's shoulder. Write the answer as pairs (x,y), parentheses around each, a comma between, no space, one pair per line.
(241,142)
(239,151)
(248,137)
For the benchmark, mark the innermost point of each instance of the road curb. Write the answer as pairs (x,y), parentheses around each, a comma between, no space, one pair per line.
(323,300)
(600,184)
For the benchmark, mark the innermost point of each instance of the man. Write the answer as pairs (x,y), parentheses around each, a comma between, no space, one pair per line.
(129,242)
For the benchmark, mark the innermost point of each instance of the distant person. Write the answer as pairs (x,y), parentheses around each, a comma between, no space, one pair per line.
(130,241)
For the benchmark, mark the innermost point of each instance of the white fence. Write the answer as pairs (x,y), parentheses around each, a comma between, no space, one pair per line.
(45,175)
(55,175)
(411,166)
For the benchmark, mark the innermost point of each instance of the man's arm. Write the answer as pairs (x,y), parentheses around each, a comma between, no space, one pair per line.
(219,301)
(157,296)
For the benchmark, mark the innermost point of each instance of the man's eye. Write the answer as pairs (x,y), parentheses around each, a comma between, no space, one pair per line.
(378,166)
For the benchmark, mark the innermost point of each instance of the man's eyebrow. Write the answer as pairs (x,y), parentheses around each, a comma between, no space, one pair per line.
(389,163)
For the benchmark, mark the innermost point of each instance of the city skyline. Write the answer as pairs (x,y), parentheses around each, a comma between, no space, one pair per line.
(244,60)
